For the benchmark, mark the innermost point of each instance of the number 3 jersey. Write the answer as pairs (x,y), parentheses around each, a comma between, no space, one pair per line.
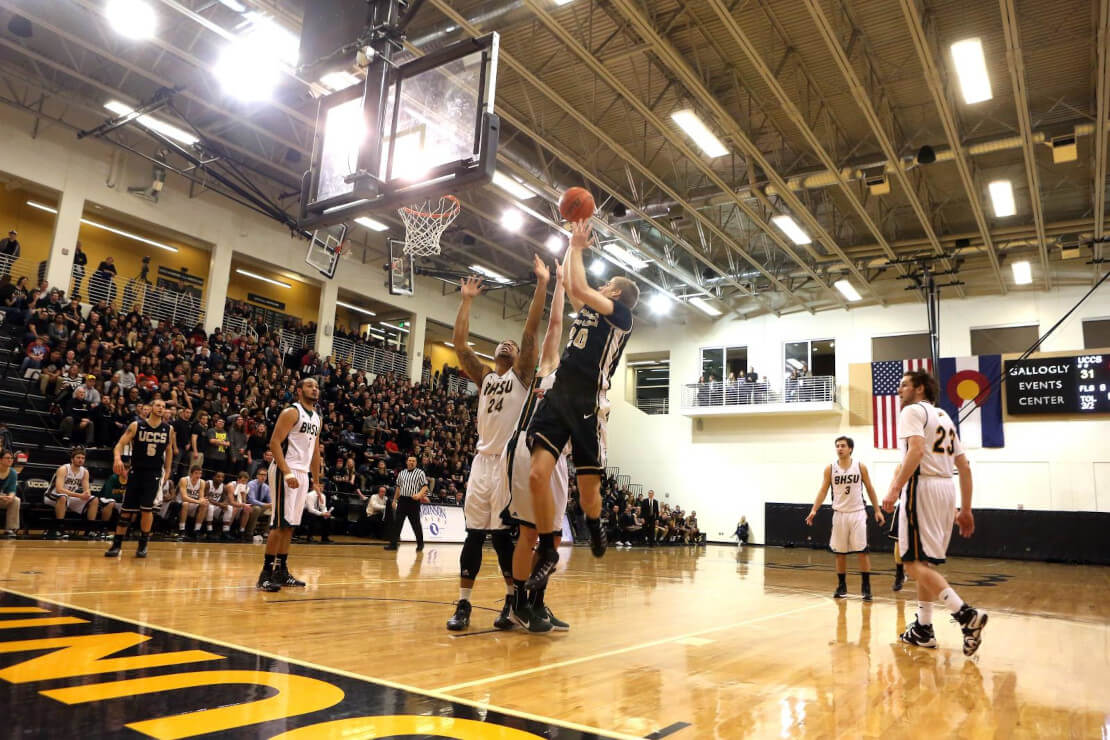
(594,348)
(942,443)
(499,404)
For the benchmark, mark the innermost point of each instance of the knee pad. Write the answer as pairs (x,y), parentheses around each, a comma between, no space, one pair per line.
(470,559)
(503,546)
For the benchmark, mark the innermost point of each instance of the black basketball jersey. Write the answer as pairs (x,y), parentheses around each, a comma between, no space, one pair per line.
(594,347)
(148,449)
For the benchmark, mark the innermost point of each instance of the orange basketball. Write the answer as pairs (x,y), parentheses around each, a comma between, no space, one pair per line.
(576,204)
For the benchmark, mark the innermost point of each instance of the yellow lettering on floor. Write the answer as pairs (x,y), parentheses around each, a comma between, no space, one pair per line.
(14,624)
(84,654)
(406,724)
(295,695)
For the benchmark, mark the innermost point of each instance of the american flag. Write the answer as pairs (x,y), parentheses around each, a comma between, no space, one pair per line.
(885,405)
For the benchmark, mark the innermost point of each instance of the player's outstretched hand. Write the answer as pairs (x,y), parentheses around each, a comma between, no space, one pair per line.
(558,272)
(879,517)
(580,232)
(965,520)
(539,267)
(471,287)
(809,519)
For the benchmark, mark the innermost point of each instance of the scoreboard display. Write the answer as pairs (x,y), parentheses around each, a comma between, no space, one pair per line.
(1079,384)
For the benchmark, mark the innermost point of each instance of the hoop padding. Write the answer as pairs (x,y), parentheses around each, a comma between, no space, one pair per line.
(424,225)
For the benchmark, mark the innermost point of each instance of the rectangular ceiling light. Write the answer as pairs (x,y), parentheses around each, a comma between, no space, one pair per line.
(1023,272)
(1002,198)
(790,227)
(166,129)
(263,278)
(511,186)
(483,354)
(352,307)
(371,223)
(971,68)
(394,326)
(495,276)
(689,122)
(623,257)
(704,306)
(847,290)
(105,227)
(340,80)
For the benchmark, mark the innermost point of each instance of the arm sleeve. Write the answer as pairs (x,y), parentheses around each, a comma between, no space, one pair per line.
(911,422)
(621,316)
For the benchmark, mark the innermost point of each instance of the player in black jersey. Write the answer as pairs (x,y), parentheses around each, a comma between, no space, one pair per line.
(577,408)
(152,447)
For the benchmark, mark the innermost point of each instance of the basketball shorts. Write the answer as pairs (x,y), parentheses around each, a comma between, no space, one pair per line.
(486,494)
(215,510)
(849,532)
(928,506)
(517,465)
(189,509)
(288,502)
(567,415)
(73,503)
(143,487)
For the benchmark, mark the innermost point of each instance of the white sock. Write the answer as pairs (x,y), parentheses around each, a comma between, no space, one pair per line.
(951,600)
(510,589)
(196,527)
(464,593)
(180,527)
(924,613)
(227,527)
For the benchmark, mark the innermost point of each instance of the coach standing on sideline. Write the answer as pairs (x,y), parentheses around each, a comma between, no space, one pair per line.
(411,491)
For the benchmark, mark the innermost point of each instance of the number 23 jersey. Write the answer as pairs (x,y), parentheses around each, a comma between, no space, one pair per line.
(942,442)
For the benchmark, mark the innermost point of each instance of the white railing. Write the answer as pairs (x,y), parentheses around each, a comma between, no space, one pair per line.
(19,267)
(653,405)
(740,393)
(362,356)
(291,341)
(238,326)
(460,386)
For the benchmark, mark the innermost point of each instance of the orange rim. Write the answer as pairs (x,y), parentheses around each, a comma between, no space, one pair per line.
(453,211)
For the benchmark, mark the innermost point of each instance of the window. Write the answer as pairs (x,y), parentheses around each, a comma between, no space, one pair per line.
(719,363)
(815,357)
(1096,333)
(901,347)
(997,340)
(653,380)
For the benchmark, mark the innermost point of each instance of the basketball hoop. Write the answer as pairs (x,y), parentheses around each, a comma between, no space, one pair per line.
(424,226)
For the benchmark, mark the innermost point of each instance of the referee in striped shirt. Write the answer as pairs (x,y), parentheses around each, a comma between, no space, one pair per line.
(411,491)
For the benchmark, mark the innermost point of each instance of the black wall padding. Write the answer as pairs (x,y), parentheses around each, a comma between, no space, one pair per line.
(1054,536)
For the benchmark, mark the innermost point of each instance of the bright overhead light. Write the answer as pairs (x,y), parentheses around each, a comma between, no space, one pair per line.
(483,354)
(339,80)
(794,364)
(394,326)
(648,362)
(790,227)
(263,278)
(105,227)
(1002,198)
(512,219)
(1023,272)
(133,19)
(555,244)
(279,42)
(166,129)
(235,5)
(353,307)
(597,267)
(623,257)
(689,122)
(971,68)
(511,186)
(452,344)
(847,290)
(371,223)
(704,306)
(251,66)
(495,276)
(563,2)
(660,303)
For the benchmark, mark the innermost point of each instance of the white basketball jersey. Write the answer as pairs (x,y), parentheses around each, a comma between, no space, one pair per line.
(847,487)
(74,476)
(942,443)
(546,383)
(215,493)
(301,442)
(499,404)
(194,489)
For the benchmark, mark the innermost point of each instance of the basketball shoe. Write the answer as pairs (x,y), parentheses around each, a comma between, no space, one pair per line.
(144,540)
(284,577)
(267,581)
(556,624)
(527,617)
(972,621)
(461,618)
(920,635)
(598,541)
(546,560)
(504,620)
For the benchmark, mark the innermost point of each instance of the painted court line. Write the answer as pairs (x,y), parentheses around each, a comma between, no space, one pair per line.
(434,693)
(628,649)
(246,587)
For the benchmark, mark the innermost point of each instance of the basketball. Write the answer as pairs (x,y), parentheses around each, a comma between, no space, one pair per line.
(576,204)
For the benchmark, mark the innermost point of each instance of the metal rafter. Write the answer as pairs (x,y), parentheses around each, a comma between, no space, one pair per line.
(692,156)
(676,62)
(933,79)
(1016,64)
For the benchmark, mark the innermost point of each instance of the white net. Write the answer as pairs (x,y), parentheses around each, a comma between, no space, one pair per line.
(425,224)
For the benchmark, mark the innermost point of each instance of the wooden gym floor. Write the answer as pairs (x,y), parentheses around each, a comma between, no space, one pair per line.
(709,642)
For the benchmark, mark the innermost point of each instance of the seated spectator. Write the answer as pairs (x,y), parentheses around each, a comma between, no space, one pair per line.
(258,498)
(192,495)
(77,423)
(631,527)
(317,516)
(9,501)
(691,532)
(377,513)
(237,496)
(69,491)
(741,532)
(219,507)
(37,351)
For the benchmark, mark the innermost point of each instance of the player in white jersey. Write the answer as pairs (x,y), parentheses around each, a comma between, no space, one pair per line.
(192,495)
(847,478)
(69,491)
(501,396)
(924,484)
(219,507)
(295,445)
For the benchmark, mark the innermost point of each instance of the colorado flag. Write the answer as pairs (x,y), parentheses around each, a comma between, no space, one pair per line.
(963,394)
